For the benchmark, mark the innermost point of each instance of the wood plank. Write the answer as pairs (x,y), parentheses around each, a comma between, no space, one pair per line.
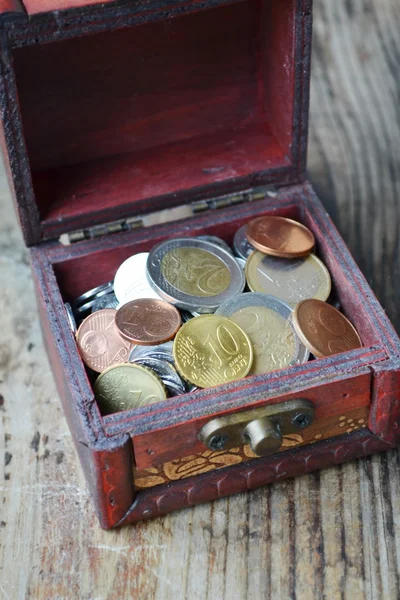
(331,534)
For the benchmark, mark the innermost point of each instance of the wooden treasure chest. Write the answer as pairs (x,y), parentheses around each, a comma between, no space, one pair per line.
(127,124)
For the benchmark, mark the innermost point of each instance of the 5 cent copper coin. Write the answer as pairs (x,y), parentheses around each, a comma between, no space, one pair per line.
(148,321)
(99,342)
(323,329)
(279,236)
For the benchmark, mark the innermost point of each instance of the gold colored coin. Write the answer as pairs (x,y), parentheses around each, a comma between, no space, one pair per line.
(290,280)
(127,386)
(211,350)
(272,336)
(195,272)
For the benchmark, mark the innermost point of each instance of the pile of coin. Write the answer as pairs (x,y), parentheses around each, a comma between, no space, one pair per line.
(194,313)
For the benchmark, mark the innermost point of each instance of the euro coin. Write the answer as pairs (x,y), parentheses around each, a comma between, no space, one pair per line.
(161,351)
(213,239)
(194,274)
(99,342)
(148,321)
(241,245)
(107,301)
(166,372)
(91,295)
(130,281)
(211,350)
(323,329)
(290,280)
(71,318)
(127,386)
(267,322)
(279,236)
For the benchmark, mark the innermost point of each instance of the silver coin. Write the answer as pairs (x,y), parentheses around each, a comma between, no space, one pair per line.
(130,281)
(166,372)
(213,239)
(241,245)
(194,274)
(268,323)
(186,316)
(241,262)
(163,351)
(190,388)
(71,318)
(101,290)
(85,309)
(107,301)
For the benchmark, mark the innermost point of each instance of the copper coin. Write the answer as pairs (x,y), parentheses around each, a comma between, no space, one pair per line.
(323,329)
(99,341)
(278,236)
(148,321)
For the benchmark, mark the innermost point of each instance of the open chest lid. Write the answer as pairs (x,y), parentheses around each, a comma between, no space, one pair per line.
(118,109)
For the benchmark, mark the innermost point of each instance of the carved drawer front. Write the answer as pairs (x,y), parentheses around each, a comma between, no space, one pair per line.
(200,446)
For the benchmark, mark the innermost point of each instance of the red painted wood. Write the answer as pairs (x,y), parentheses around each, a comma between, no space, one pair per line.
(124,122)
(249,475)
(139,88)
(151,116)
(165,174)
(11,7)
(34,7)
(178,441)
(106,462)
(384,418)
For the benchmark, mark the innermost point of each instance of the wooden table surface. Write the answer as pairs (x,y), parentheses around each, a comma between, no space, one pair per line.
(333,534)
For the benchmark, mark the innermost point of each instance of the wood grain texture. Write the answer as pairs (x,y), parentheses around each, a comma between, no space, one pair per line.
(331,534)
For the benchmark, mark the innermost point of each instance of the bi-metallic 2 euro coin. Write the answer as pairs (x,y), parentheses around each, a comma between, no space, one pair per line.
(211,350)
(267,322)
(194,274)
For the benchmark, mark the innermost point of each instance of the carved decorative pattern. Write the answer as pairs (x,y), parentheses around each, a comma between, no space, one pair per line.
(159,500)
(207,461)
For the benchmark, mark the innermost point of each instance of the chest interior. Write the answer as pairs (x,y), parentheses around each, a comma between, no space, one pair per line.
(142,118)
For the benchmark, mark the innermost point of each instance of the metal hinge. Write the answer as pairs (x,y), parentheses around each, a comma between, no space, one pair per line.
(172,214)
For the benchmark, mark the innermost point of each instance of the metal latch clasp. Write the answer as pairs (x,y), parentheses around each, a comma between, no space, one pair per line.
(262,428)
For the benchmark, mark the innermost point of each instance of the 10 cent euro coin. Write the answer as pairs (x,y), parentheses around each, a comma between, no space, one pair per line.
(194,274)
(210,350)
